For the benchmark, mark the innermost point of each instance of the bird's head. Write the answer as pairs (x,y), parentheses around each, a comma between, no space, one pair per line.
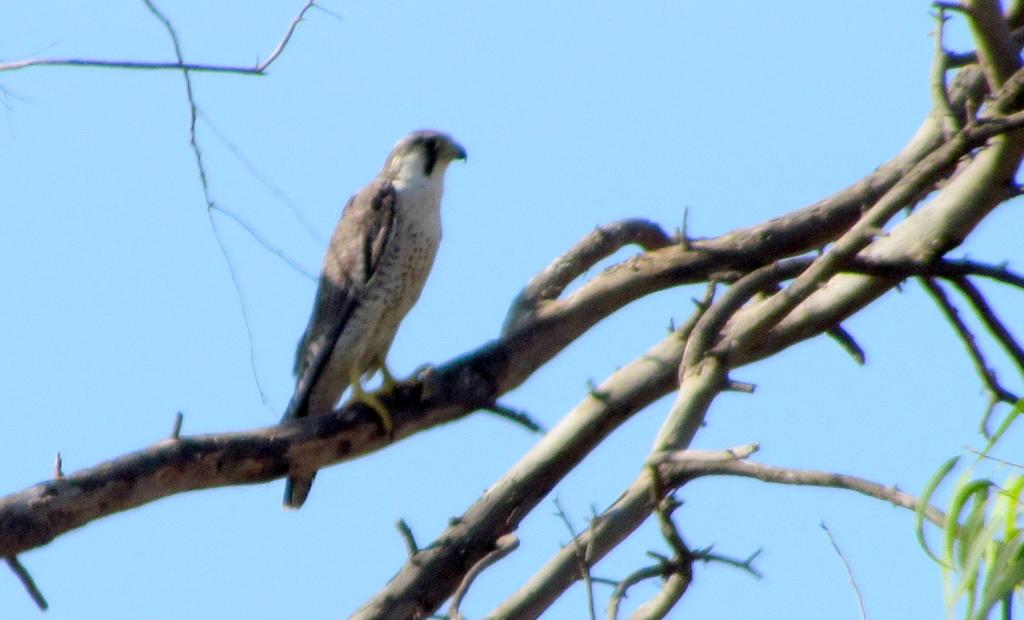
(423,153)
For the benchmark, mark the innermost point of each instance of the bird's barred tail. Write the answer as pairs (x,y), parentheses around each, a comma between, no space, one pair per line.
(296,490)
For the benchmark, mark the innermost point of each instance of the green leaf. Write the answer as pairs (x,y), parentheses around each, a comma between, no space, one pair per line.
(925,501)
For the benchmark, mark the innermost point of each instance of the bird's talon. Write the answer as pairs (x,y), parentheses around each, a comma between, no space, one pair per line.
(388,381)
(371,401)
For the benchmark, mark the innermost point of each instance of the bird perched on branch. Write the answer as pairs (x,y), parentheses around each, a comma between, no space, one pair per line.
(373,272)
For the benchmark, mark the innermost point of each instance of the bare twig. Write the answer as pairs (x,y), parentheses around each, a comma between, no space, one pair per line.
(988,377)
(179,419)
(940,64)
(664,569)
(849,571)
(58,467)
(260,239)
(279,48)
(988,316)
(521,418)
(264,180)
(684,230)
(581,558)
(502,547)
(257,69)
(743,387)
(848,343)
(746,564)
(410,539)
(953,268)
(204,184)
(676,473)
(694,456)
(27,582)
(680,565)
(994,459)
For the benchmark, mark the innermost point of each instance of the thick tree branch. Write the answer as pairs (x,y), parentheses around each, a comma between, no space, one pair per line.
(973,163)
(37,515)
(421,586)
(999,56)
(750,248)
(600,243)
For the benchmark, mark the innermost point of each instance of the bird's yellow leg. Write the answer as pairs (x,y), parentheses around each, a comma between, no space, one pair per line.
(388,382)
(371,401)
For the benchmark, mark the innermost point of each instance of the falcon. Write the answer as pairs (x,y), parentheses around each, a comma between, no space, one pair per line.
(374,270)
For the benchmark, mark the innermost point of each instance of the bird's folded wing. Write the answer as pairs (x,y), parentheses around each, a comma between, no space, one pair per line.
(353,256)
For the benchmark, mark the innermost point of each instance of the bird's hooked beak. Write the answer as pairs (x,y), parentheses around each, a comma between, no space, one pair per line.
(456,151)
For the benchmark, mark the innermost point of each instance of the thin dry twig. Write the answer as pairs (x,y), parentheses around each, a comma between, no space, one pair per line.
(205,185)
(179,419)
(260,176)
(994,459)
(849,571)
(988,376)
(408,537)
(988,316)
(680,565)
(664,569)
(581,558)
(678,472)
(521,418)
(941,64)
(259,68)
(27,582)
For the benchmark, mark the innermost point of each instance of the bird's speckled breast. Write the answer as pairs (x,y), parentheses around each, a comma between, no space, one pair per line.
(402,272)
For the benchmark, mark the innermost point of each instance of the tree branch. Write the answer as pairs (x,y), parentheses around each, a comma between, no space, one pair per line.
(27,582)
(37,515)
(503,547)
(998,55)
(259,68)
(849,571)
(988,377)
(421,586)
(600,243)
(634,506)
(988,316)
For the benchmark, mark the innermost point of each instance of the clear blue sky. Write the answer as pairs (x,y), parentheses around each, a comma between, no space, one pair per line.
(118,308)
